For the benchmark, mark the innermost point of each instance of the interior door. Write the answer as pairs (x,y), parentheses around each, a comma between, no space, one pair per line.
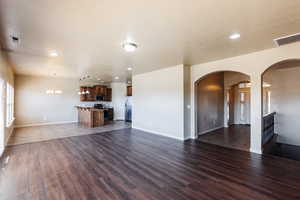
(245,106)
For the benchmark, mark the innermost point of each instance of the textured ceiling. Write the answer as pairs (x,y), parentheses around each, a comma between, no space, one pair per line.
(88,34)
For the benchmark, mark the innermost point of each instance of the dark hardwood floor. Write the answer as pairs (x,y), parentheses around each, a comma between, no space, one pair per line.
(235,136)
(286,151)
(130,164)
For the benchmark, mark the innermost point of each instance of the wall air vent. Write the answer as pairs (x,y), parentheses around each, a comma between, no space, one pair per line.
(287,39)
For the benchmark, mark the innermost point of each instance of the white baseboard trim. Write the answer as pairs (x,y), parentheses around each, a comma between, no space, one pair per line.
(158,133)
(44,124)
(213,129)
(10,134)
(258,151)
(1,152)
(188,138)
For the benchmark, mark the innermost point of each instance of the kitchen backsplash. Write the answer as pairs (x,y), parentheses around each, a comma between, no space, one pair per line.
(92,103)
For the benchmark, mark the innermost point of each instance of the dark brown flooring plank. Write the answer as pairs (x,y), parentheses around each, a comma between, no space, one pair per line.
(131,164)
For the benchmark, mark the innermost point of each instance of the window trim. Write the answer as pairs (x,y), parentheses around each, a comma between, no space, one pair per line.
(9,105)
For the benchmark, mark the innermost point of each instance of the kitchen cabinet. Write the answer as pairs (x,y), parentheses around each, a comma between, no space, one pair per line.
(91,94)
(95,93)
(108,94)
(82,93)
(129,90)
(100,90)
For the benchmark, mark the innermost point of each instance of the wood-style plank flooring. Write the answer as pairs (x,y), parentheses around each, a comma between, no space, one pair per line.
(130,164)
(235,136)
(49,132)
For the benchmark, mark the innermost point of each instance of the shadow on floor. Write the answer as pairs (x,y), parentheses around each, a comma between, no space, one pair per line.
(285,151)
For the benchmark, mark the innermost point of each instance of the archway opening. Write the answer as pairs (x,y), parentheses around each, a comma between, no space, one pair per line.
(223,109)
(281,109)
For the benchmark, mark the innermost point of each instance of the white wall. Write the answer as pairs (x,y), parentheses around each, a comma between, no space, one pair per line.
(7,75)
(285,101)
(187,101)
(118,100)
(34,106)
(158,102)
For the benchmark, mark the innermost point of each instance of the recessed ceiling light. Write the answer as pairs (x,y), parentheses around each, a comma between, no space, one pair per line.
(53,54)
(129,68)
(98,79)
(235,36)
(130,46)
(116,77)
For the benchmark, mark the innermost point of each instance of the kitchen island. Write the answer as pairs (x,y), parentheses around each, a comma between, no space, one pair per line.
(94,117)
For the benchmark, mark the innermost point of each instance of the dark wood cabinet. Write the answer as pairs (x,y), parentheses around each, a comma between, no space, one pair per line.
(108,94)
(129,90)
(82,93)
(90,96)
(95,93)
(100,90)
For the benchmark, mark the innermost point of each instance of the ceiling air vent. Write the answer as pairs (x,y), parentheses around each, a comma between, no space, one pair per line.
(15,39)
(287,39)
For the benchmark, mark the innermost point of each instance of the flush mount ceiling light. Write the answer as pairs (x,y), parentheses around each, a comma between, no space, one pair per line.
(235,36)
(129,68)
(53,54)
(116,77)
(130,46)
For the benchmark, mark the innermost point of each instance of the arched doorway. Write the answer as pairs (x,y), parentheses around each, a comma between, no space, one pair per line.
(281,109)
(222,102)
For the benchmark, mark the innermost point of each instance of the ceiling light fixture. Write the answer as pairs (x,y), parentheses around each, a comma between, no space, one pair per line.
(235,36)
(129,68)
(130,46)
(53,54)
(116,77)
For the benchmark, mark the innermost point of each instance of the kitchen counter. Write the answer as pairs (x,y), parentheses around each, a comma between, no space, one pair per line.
(94,117)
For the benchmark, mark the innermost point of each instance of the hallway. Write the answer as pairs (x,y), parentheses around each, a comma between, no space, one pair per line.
(235,136)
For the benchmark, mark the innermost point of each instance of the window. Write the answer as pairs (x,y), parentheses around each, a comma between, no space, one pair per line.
(2,136)
(9,104)
(269,101)
(242,105)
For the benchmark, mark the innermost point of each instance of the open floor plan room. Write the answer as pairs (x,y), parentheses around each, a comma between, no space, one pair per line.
(149,100)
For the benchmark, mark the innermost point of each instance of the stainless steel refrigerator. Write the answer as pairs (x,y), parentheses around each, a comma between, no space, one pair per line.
(128,109)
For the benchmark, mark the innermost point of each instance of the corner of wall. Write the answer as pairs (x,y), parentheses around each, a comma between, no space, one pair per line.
(187,100)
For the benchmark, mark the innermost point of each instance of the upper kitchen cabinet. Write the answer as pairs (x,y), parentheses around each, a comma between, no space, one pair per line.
(82,93)
(100,91)
(129,90)
(95,93)
(108,94)
(90,94)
